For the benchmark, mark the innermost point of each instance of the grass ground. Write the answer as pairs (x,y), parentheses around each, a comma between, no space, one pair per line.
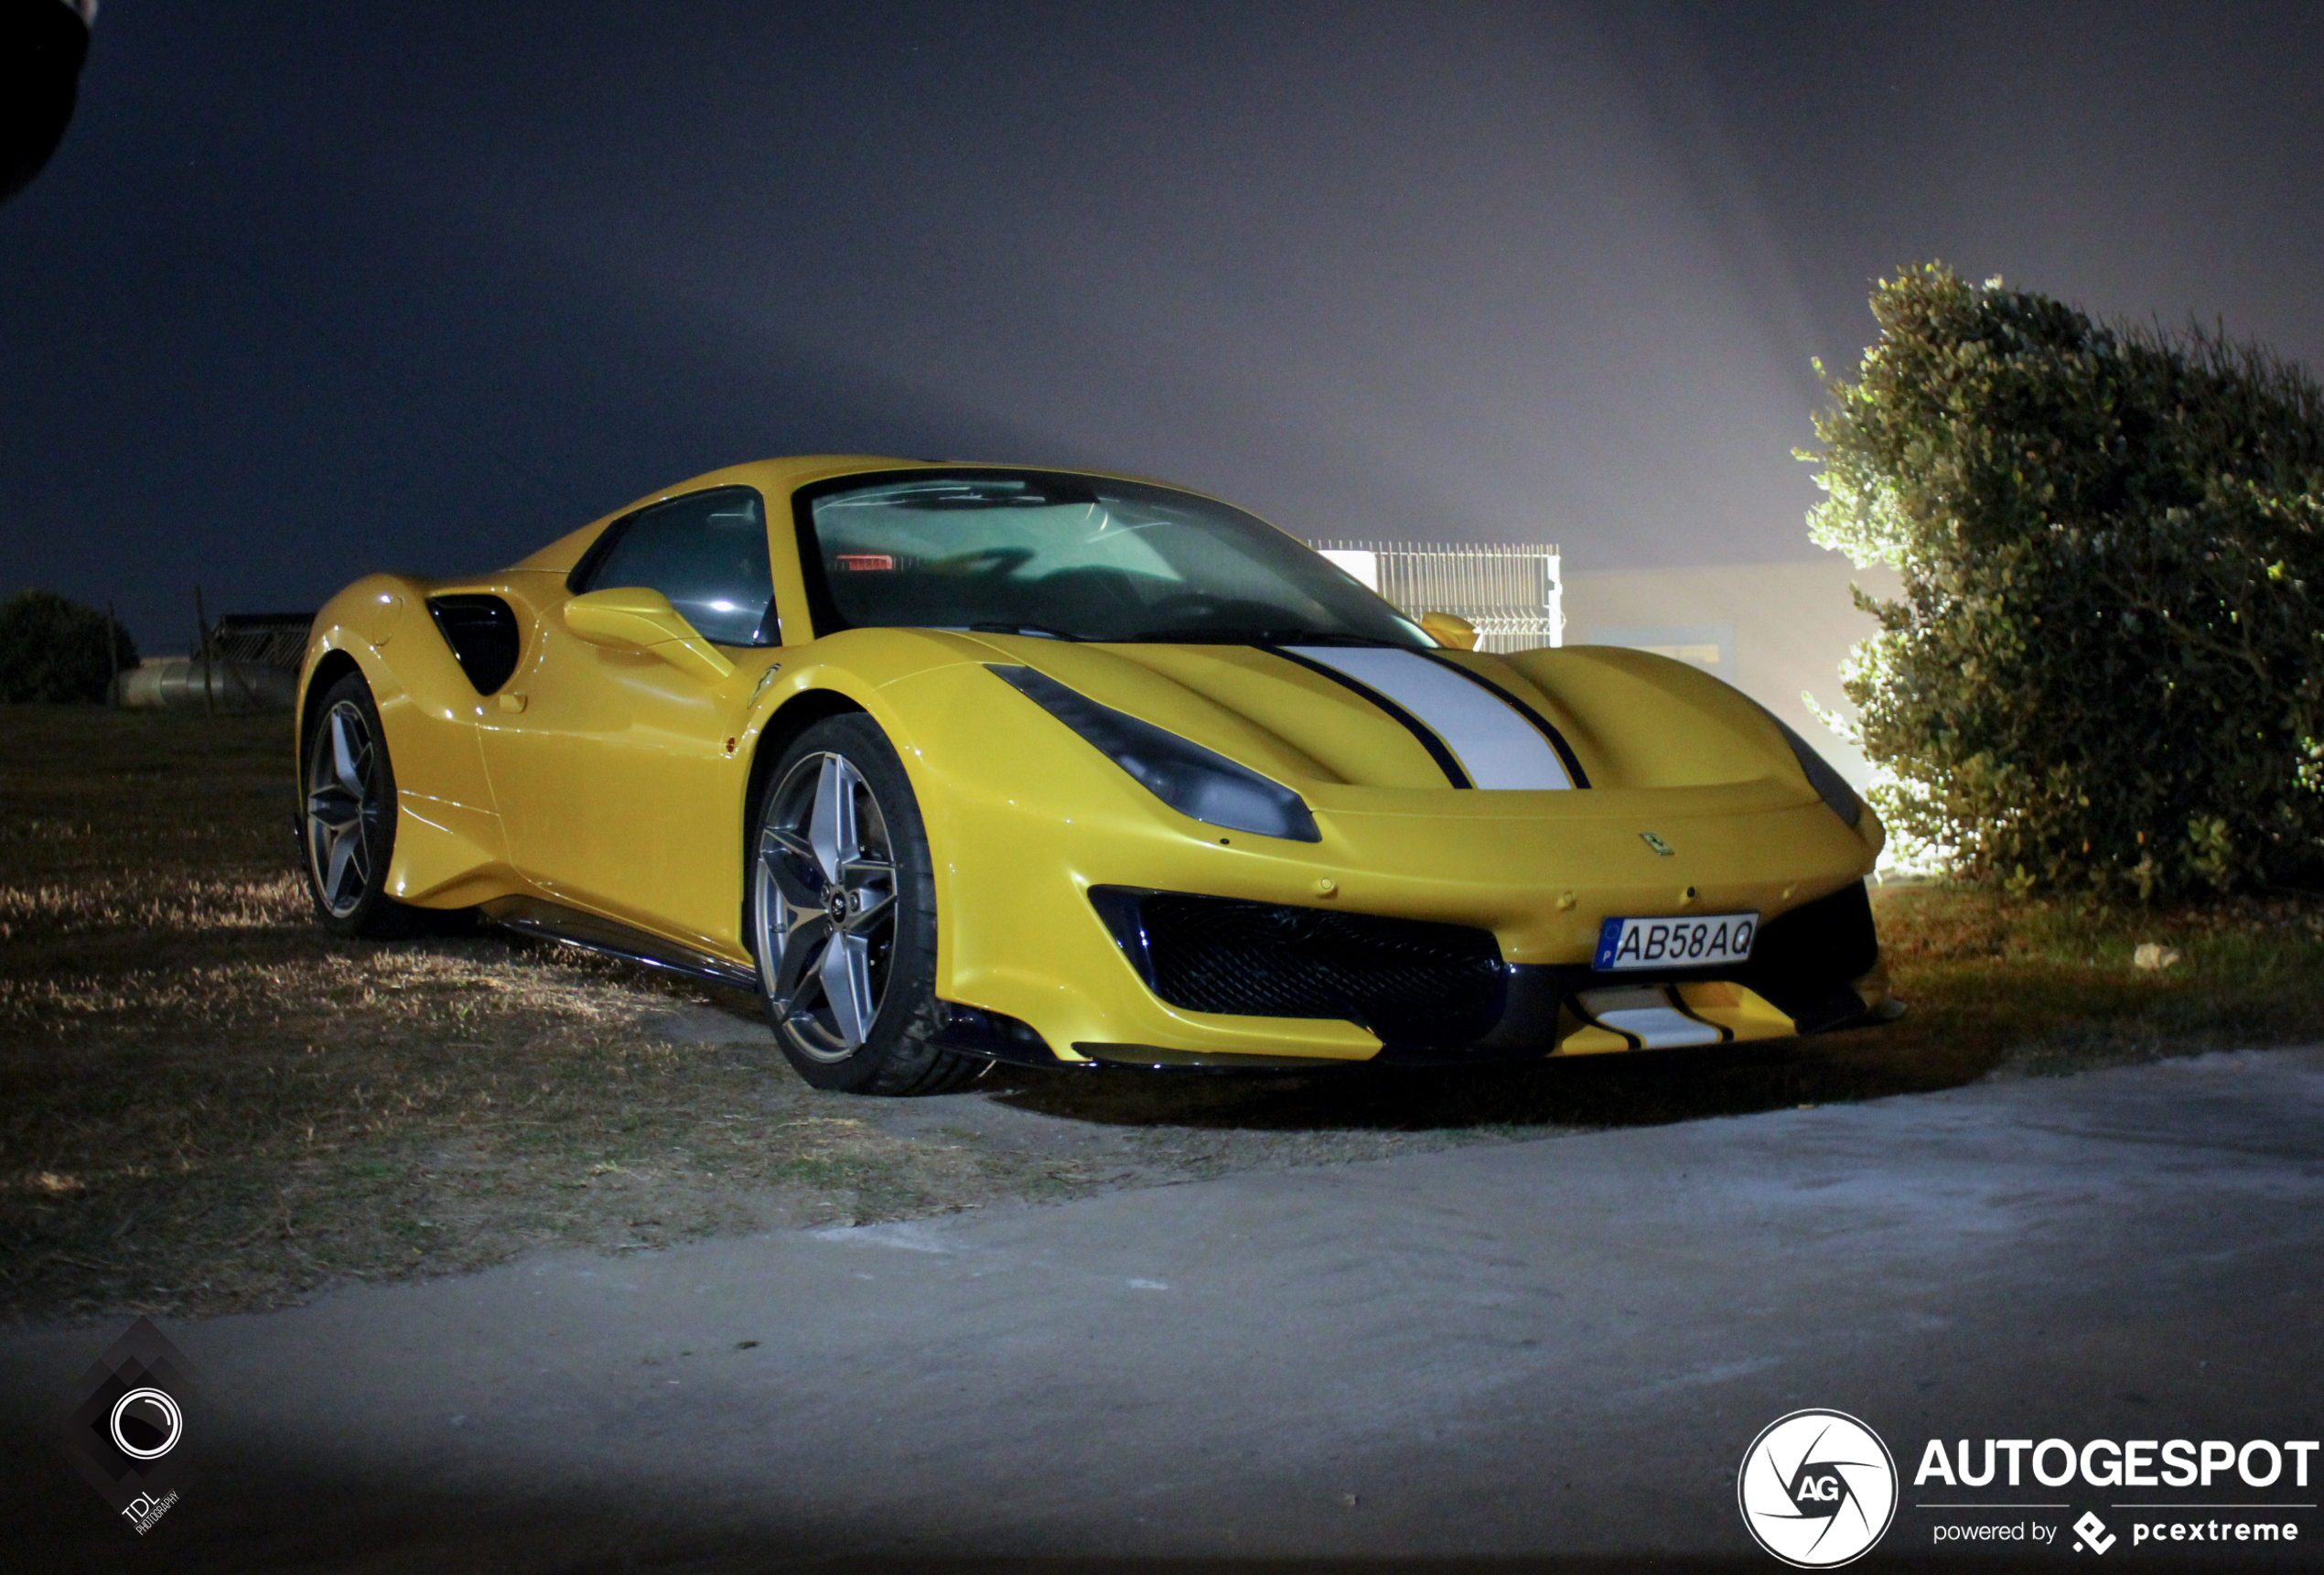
(208,1104)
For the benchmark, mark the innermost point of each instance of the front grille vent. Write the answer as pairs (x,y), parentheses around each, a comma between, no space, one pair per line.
(1410,981)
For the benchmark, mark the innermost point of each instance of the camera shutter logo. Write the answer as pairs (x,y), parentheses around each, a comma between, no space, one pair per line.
(1817,1489)
(125,1432)
(147,1424)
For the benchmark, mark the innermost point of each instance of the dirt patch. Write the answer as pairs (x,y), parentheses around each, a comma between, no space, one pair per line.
(211,1105)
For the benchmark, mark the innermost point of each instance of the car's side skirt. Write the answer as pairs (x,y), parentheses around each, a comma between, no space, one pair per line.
(592,933)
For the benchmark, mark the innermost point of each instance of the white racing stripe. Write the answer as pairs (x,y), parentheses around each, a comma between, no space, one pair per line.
(1496,745)
(1647,1016)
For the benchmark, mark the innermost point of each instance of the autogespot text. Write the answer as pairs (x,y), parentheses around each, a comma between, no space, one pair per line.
(2131,1463)
(2215,1469)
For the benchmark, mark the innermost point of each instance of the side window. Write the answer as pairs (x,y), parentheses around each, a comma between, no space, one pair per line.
(707,553)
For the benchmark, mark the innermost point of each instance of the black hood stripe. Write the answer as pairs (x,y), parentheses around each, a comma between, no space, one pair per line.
(1541,724)
(1446,761)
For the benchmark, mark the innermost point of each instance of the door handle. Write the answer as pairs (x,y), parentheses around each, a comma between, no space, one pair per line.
(510,701)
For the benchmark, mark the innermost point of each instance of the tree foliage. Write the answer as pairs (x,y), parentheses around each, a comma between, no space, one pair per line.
(2106,668)
(52,648)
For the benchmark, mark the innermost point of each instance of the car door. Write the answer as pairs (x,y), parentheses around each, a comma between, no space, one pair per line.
(614,769)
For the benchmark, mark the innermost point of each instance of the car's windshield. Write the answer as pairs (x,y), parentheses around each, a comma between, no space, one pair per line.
(1075,557)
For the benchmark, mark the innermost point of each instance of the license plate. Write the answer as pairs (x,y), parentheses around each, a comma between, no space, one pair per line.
(1689,942)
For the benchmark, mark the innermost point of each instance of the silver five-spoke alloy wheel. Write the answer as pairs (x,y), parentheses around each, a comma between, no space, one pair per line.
(823,903)
(344,808)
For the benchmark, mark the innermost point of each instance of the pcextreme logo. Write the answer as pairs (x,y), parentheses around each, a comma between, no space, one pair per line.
(1817,1489)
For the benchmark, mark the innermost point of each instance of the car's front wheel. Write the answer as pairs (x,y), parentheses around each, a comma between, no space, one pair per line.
(843,904)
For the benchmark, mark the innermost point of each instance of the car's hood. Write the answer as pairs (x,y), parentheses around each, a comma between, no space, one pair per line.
(1370,717)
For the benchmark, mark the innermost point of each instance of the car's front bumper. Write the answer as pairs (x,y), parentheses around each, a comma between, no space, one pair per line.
(1028,823)
(1813,970)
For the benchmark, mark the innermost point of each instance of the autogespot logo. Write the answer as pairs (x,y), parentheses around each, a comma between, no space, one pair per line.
(1817,1489)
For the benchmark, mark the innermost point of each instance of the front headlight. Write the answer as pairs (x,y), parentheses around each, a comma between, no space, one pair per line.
(1198,782)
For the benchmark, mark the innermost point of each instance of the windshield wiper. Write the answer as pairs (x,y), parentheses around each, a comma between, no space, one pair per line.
(1212,636)
(1318,637)
(1043,629)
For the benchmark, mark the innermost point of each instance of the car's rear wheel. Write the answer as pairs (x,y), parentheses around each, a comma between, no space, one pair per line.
(347,827)
(843,904)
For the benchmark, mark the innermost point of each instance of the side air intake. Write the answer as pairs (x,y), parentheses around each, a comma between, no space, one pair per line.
(481,632)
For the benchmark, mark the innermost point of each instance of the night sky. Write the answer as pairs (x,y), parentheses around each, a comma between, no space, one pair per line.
(313,290)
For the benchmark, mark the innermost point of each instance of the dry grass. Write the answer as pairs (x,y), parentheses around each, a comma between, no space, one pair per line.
(208,1104)
(211,1105)
(2052,987)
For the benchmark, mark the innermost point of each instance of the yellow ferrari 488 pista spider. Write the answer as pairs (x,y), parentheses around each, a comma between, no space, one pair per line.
(953,763)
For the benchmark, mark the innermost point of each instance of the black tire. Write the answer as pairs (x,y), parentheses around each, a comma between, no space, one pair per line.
(846,936)
(347,816)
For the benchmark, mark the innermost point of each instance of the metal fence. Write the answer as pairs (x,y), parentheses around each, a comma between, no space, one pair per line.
(269,639)
(1515,596)
(244,661)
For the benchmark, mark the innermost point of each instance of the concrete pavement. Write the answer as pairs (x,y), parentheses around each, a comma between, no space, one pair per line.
(1496,1353)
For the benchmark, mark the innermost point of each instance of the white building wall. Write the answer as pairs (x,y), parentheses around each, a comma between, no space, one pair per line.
(1772,630)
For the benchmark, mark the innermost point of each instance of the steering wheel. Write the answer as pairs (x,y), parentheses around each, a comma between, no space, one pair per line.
(1203,607)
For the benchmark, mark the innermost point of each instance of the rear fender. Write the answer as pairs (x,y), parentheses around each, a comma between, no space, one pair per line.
(450,850)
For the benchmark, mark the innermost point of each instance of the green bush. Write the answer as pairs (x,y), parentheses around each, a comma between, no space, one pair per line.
(2106,669)
(51,649)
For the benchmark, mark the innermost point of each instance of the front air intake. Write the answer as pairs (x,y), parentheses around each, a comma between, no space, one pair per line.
(1410,981)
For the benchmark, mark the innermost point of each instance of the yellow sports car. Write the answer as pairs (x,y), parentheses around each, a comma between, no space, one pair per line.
(953,763)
